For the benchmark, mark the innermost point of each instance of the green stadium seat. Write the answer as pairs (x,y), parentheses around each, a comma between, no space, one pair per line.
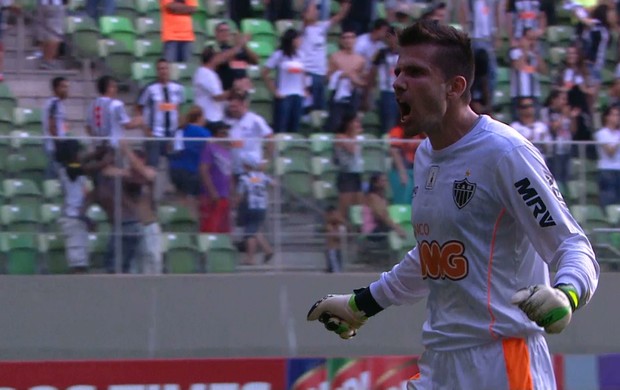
(118,57)
(21,191)
(7,99)
(180,253)
(370,141)
(220,253)
(149,50)
(317,120)
(355,215)
(401,245)
(324,191)
(200,16)
(557,55)
(293,144)
(143,73)
(6,119)
(264,109)
(560,34)
(322,144)
(295,175)
(261,30)
(262,49)
(503,76)
(97,248)
(501,97)
(285,24)
(613,213)
(145,7)
(119,29)
(215,8)
(28,119)
(22,253)
(372,124)
(29,166)
(324,169)
(149,29)
(96,214)
(258,7)
(126,9)
(52,191)
(83,31)
(50,213)
(74,6)
(177,219)
(589,216)
(53,246)
(21,141)
(182,73)
(588,189)
(401,214)
(17,218)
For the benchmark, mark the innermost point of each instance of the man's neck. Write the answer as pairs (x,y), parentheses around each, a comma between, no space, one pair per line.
(528,121)
(454,127)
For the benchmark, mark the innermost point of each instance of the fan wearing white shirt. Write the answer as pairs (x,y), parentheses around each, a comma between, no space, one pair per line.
(532,129)
(367,45)
(314,48)
(609,157)
(289,88)
(209,93)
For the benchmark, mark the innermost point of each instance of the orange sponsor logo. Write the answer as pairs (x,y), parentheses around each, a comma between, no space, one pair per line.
(167,107)
(445,261)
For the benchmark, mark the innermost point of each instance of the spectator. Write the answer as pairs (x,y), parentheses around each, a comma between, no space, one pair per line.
(127,225)
(556,114)
(5,5)
(481,98)
(234,67)
(248,131)
(54,121)
(289,88)
(574,74)
(348,159)
(239,10)
(185,160)
(108,8)
(177,30)
(384,64)
(50,22)
(609,157)
(437,12)
(581,125)
(253,198)
(402,151)
(314,48)
(209,92)
(359,18)
(375,216)
(533,130)
(159,101)
(368,44)
(74,223)
(346,81)
(594,38)
(481,19)
(278,10)
(216,179)
(107,117)
(527,65)
(336,230)
(525,15)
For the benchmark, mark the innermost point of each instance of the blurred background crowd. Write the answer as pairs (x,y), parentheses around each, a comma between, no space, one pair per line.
(210,136)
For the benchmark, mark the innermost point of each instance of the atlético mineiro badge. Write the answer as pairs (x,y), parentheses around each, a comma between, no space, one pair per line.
(462,192)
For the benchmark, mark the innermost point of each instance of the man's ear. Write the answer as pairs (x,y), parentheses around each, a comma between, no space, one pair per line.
(457,87)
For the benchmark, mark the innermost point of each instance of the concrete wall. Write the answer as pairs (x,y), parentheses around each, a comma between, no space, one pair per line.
(96,317)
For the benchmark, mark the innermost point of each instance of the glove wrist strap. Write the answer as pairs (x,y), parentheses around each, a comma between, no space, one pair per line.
(365,302)
(571,293)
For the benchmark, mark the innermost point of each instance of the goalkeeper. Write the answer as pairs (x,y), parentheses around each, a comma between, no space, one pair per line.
(489,222)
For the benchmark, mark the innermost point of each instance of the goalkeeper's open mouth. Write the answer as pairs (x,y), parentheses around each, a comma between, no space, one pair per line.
(405,111)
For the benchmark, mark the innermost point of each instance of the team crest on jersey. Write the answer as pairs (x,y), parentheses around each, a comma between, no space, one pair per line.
(462,192)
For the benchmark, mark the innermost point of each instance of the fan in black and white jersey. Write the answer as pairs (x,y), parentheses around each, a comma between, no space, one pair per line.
(107,116)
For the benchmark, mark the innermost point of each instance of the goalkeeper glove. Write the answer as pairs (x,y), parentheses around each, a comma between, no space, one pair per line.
(345,314)
(550,307)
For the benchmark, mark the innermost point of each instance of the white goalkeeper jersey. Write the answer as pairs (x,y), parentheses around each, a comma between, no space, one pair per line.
(488,218)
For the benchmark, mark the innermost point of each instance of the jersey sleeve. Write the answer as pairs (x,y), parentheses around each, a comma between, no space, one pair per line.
(120,114)
(401,285)
(273,60)
(531,196)
(263,127)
